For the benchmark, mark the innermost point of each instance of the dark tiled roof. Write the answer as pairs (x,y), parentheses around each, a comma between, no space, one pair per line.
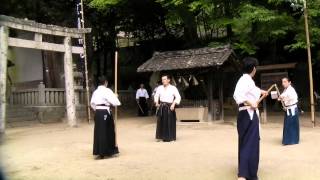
(187,59)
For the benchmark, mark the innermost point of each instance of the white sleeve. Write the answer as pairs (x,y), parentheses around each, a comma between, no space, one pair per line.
(92,103)
(146,94)
(290,94)
(177,97)
(285,94)
(157,96)
(154,91)
(137,94)
(294,94)
(112,98)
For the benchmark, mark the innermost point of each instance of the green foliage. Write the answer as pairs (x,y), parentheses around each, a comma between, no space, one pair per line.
(59,12)
(103,4)
(299,41)
(245,48)
(257,24)
(216,44)
(246,25)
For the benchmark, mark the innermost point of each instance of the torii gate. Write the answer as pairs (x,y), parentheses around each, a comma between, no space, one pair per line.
(7,23)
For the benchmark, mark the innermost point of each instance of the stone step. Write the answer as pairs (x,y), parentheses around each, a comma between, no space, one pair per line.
(19,114)
(22,123)
(20,119)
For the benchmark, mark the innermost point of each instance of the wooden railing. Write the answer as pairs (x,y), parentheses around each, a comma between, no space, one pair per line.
(42,96)
(24,97)
(52,96)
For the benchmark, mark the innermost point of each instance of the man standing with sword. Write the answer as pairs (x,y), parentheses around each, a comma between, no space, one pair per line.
(142,97)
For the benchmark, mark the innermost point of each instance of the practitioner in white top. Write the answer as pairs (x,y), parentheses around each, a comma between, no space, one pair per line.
(246,95)
(166,98)
(104,133)
(291,130)
(142,97)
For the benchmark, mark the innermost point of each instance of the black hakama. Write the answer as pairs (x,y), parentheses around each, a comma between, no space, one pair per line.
(249,142)
(143,109)
(104,134)
(166,123)
(291,128)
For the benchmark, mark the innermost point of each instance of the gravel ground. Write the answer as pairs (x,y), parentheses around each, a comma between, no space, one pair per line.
(202,151)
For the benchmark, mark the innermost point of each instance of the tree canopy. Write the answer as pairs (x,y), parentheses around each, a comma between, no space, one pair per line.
(272,30)
(246,25)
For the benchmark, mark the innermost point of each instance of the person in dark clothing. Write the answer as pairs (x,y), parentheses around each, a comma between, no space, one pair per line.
(166,98)
(142,97)
(246,95)
(103,98)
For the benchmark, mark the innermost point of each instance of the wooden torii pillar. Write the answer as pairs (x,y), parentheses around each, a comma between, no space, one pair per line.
(7,23)
(3,74)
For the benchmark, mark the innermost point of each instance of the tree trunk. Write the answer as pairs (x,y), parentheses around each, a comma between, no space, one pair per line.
(228,9)
(190,25)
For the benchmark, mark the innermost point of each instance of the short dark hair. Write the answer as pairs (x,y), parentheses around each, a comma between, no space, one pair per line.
(102,80)
(166,75)
(287,78)
(249,63)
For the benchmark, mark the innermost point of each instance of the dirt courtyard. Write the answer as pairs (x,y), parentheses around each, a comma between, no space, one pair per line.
(202,151)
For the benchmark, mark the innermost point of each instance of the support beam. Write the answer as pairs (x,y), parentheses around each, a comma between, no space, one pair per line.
(221,103)
(85,64)
(23,43)
(276,67)
(4,33)
(265,117)
(306,24)
(211,107)
(32,26)
(69,83)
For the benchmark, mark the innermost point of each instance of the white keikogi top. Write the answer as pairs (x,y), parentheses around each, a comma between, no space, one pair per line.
(169,94)
(290,99)
(246,90)
(142,93)
(104,95)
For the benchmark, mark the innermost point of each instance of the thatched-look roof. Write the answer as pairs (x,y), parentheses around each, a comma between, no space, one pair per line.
(187,59)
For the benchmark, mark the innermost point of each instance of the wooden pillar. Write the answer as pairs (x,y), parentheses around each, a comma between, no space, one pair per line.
(221,103)
(211,106)
(69,83)
(116,92)
(265,118)
(4,34)
(309,62)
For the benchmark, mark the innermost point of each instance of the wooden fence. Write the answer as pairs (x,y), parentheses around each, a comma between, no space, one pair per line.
(42,96)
